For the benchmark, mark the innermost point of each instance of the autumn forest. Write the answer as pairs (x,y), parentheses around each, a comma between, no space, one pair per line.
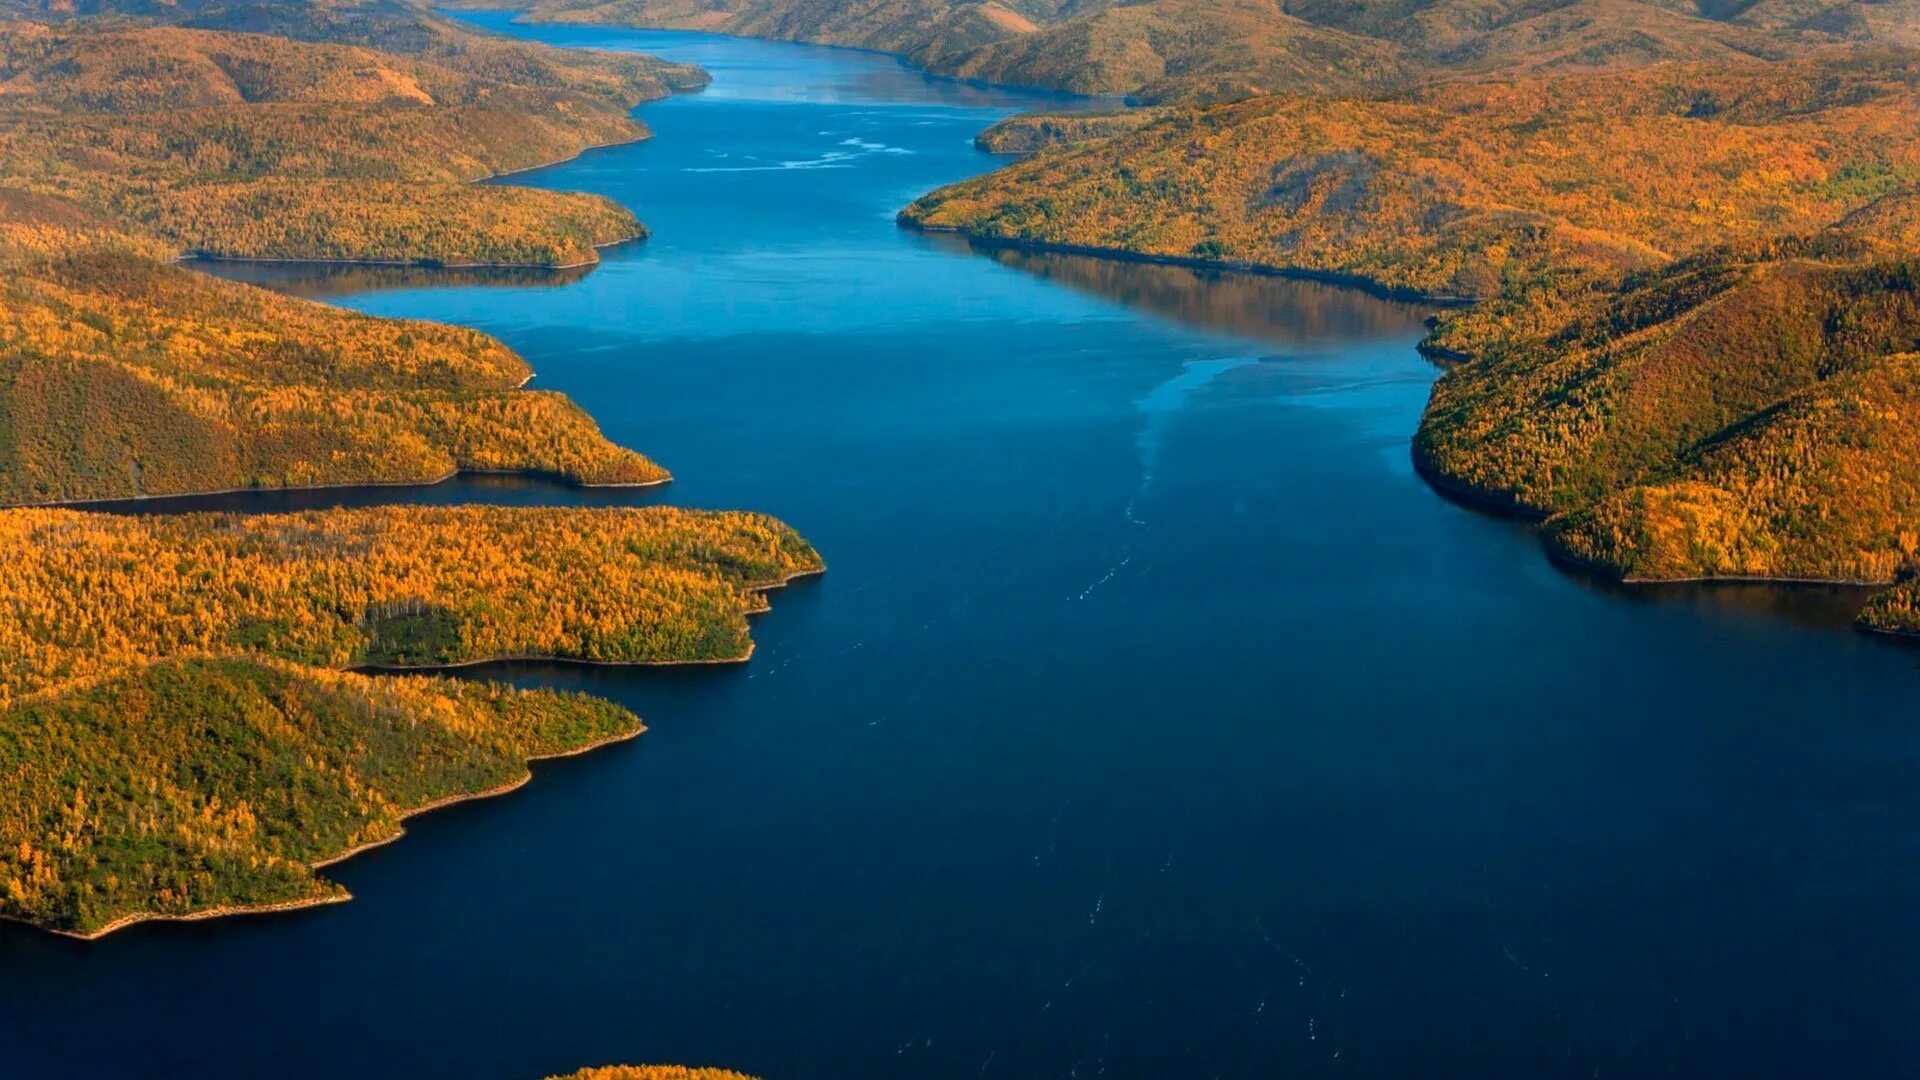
(186,728)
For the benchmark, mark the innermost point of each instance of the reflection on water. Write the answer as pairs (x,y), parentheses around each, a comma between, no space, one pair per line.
(333,279)
(493,489)
(1304,316)
(1290,312)
(1819,606)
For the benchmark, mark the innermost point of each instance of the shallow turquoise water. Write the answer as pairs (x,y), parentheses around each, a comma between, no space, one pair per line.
(1153,718)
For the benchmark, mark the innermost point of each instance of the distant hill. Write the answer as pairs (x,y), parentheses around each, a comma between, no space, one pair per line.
(1465,188)
(248,145)
(1197,51)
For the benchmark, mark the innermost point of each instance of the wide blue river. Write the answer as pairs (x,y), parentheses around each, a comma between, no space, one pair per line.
(1152,720)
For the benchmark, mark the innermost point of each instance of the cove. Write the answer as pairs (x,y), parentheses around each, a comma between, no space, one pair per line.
(1154,719)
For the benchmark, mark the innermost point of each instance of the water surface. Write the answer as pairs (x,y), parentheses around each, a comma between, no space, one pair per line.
(1153,718)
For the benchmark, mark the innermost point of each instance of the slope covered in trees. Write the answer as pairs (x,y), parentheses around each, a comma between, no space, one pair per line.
(1465,188)
(247,145)
(203,787)
(88,595)
(1187,51)
(175,741)
(123,377)
(1699,348)
(1751,412)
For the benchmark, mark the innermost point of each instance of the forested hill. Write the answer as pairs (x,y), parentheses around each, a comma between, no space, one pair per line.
(1196,51)
(247,145)
(1752,411)
(176,740)
(1464,188)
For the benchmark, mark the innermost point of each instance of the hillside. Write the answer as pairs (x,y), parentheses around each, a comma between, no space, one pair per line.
(1187,51)
(1197,51)
(207,787)
(1751,412)
(1585,35)
(92,595)
(176,741)
(248,146)
(1465,188)
(122,377)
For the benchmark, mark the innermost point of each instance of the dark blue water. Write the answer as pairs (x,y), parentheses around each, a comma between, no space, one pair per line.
(1153,719)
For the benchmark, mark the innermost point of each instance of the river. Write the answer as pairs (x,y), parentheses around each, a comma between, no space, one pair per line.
(1152,720)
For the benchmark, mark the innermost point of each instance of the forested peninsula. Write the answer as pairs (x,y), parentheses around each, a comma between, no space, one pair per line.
(189,725)
(180,738)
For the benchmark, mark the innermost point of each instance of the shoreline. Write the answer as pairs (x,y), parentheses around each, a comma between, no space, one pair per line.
(1455,491)
(450,475)
(1468,496)
(278,906)
(400,832)
(645,133)
(757,591)
(193,256)
(1476,500)
(1325,277)
(1601,570)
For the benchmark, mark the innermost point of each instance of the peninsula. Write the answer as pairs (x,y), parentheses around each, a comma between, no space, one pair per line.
(179,739)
